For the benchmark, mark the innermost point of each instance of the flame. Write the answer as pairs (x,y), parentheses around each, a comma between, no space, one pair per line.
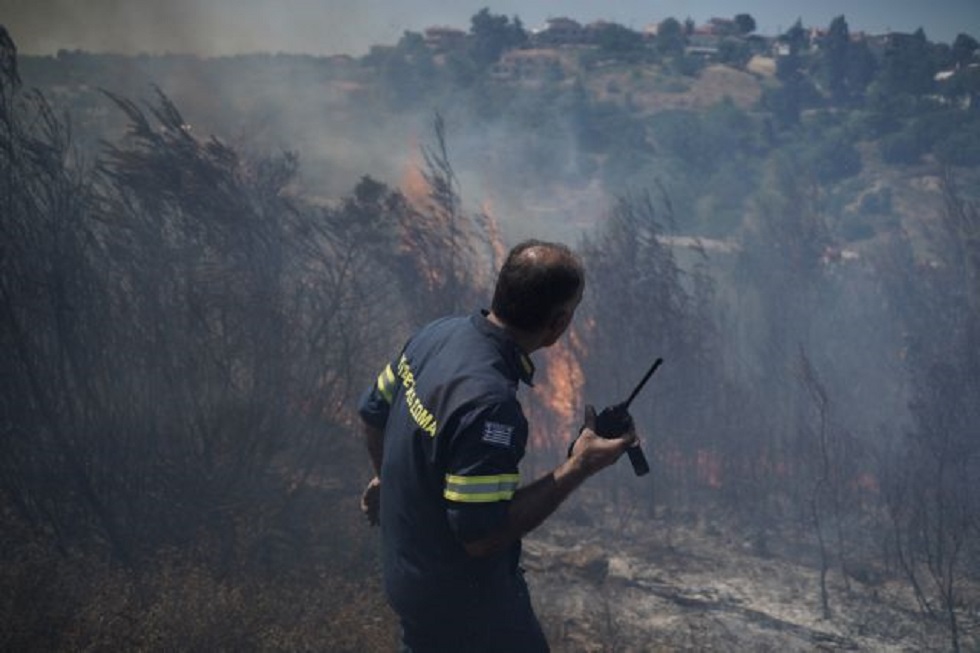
(866,482)
(432,218)
(673,458)
(497,250)
(414,185)
(704,464)
(417,191)
(708,466)
(559,391)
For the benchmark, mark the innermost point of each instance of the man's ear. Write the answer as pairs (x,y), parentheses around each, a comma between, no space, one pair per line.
(568,316)
(559,322)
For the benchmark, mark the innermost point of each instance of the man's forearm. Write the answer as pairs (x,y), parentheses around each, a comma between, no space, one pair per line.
(374,440)
(531,505)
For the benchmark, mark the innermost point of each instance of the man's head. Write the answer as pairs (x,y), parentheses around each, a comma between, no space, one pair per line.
(538,289)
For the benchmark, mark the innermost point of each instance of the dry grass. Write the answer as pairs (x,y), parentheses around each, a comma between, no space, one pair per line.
(54,602)
(651,89)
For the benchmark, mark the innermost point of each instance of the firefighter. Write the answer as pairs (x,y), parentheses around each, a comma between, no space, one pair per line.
(445,433)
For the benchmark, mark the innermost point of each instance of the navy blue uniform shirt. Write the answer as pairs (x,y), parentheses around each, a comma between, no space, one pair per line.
(454,434)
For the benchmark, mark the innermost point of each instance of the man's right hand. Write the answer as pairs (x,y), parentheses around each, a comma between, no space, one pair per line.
(371,501)
(593,452)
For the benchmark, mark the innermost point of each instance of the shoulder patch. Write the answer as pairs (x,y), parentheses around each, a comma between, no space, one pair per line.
(497,434)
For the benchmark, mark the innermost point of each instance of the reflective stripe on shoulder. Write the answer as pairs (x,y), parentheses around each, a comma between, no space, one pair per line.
(480,489)
(386,383)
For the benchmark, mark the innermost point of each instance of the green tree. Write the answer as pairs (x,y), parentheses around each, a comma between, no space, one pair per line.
(745,23)
(787,101)
(795,36)
(932,503)
(964,85)
(783,103)
(964,49)
(906,67)
(734,52)
(407,70)
(835,58)
(903,147)
(861,68)
(963,150)
(616,38)
(832,157)
(492,35)
(670,37)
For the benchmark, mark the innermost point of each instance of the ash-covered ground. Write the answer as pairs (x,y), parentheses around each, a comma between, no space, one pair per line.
(688,585)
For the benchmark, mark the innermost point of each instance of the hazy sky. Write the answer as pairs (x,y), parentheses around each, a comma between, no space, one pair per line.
(217,27)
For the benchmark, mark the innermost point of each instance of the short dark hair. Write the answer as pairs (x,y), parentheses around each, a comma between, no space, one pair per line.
(537,278)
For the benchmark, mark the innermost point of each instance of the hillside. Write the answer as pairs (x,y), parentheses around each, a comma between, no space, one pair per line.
(587,115)
(649,89)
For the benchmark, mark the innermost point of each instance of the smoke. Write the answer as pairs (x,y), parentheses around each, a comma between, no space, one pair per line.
(226,27)
(202,27)
(521,154)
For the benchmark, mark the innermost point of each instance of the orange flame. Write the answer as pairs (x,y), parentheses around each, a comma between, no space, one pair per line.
(417,190)
(708,465)
(497,250)
(559,392)
(704,465)
(414,185)
(866,482)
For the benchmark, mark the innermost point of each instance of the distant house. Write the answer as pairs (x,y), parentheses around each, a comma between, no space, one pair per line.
(702,44)
(444,39)
(897,38)
(780,49)
(815,35)
(722,26)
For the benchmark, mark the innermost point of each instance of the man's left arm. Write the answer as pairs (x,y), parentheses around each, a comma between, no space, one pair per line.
(373,410)
(371,498)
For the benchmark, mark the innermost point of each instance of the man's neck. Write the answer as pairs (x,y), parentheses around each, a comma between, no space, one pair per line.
(528,342)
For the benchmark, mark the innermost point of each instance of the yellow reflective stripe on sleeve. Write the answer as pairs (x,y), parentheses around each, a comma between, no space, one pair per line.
(386,384)
(480,489)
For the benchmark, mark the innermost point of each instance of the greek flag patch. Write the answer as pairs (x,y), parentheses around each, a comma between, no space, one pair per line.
(497,434)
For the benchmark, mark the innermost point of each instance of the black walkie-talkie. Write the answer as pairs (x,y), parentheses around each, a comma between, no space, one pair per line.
(615,420)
